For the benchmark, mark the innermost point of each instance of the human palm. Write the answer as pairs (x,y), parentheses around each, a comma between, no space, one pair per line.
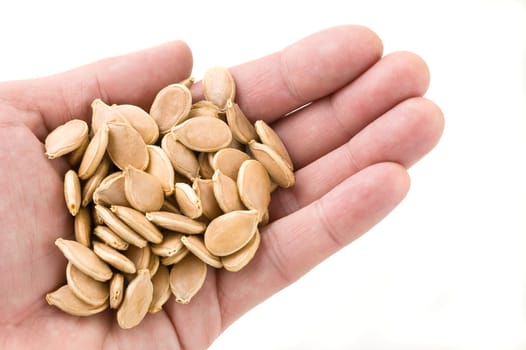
(366,124)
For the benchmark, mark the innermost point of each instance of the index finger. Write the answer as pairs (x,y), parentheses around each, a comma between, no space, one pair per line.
(314,67)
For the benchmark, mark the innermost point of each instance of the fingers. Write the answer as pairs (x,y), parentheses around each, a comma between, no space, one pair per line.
(293,245)
(332,121)
(134,78)
(402,135)
(314,67)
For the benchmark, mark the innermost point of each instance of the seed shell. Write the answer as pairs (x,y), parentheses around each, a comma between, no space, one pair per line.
(85,288)
(187,277)
(84,259)
(137,300)
(230,232)
(66,138)
(64,299)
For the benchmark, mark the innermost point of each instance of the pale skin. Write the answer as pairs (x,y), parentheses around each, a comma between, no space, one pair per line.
(367,124)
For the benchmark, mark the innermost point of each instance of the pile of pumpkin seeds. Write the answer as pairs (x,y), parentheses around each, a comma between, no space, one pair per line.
(159,196)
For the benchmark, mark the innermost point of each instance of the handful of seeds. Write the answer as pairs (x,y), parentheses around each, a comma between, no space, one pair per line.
(158,196)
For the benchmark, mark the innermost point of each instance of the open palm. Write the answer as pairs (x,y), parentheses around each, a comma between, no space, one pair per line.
(366,124)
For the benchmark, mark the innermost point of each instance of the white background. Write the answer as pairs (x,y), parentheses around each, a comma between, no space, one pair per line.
(447,269)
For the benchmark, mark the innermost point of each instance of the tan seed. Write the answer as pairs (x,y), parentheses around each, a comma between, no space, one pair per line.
(126,147)
(196,246)
(138,222)
(113,257)
(84,259)
(188,200)
(242,129)
(230,232)
(229,160)
(269,137)
(204,108)
(64,299)
(139,256)
(141,121)
(102,114)
(170,245)
(276,166)
(66,138)
(120,228)
(187,277)
(205,190)
(253,184)
(111,191)
(143,191)
(106,235)
(72,193)
(116,290)
(75,156)
(225,191)
(176,222)
(161,167)
(85,288)
(154,264)
(94,181)
(94,153)
(183,159)
(205,169)
(219,86)
(203,134)
(82,227)
(137,300)
(238,260)
(161,289)
(171,106)
(177,257)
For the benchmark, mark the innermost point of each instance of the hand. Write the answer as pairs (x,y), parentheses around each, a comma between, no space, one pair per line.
(366,124)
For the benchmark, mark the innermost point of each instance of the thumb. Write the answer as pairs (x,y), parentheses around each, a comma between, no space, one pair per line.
(134,78)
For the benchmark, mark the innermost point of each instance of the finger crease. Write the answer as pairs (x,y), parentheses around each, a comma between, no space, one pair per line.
(327,227)
(289,83)
(276,255)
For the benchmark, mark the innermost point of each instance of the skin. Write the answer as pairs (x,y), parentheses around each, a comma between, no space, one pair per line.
(367,124)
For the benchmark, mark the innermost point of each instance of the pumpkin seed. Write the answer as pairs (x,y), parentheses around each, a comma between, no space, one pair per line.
(238,260)
(106,235)
(66,138)
(188,200)
(225,191)
(242,130)
(138,222)
(229,160)
(161,167)
(82,227)
(230,232)
(276,166)
(143,191)
(113,257)
(171,106)
(126,147)
(183,159)
(85,288)
(203,134)
(219,86)
(137,300)
(116,290)
(84,259)
(161,289)
(94,153)
(187,277)
(176,222)
(120,228)
(64,299)
(196,246)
